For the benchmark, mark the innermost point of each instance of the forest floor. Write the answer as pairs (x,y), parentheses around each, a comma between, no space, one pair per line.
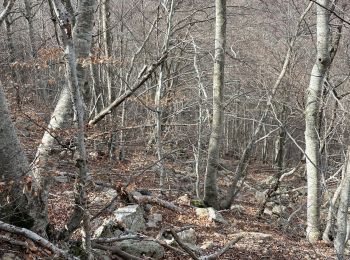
(269,237)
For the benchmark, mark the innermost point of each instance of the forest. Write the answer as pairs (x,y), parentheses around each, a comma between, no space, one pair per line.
(174,129)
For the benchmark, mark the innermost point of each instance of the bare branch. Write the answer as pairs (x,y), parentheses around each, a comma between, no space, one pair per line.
(143,78)
(7,10)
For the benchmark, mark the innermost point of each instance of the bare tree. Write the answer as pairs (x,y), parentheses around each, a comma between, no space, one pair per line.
(312,143)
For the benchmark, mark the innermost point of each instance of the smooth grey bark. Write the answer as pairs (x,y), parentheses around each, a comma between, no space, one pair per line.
(157,100)
(210,182)
(312,143)
(29,18)
(81,200)
(107,45)
(13,168)
(342,215)
(329,230)
(11,49)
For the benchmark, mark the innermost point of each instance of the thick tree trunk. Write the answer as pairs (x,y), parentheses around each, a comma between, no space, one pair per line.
(13,167)
(210,186)
(312,144)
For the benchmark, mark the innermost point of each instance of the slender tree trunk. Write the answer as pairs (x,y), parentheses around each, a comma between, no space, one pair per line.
(29,18)
(107,45)
(329,230)
(210,186)
(158,97)
(342,216)
(312,144)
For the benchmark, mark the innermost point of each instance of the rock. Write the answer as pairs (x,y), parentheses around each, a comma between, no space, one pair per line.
(237,208)
(207,245)
(184,200)
(270,204)
(101,255)
(110,193)
(144,192)
(211,214)
(269,180)
(255,235)
(147,207)
(196,249)
(302,191)
(267,212)
(132,217)
(260,197)
(61,179)
(141,248)
(154,220)
(107,229)
(188,236)
(226,165)
(10,256)
(278,209)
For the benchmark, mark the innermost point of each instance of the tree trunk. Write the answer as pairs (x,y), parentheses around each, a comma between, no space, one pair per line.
(157,100)
(312,144)
(13,167)
(107,45)
(29,18)
(342,216)
(210,186)
(84,24)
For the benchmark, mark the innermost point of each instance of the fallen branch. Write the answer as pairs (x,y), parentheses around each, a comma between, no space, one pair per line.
(36,238)
(139,238)
(144,199)
(117,251)
(14,241)
(145,75)
(183,245)
(222,250)
(115,239)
